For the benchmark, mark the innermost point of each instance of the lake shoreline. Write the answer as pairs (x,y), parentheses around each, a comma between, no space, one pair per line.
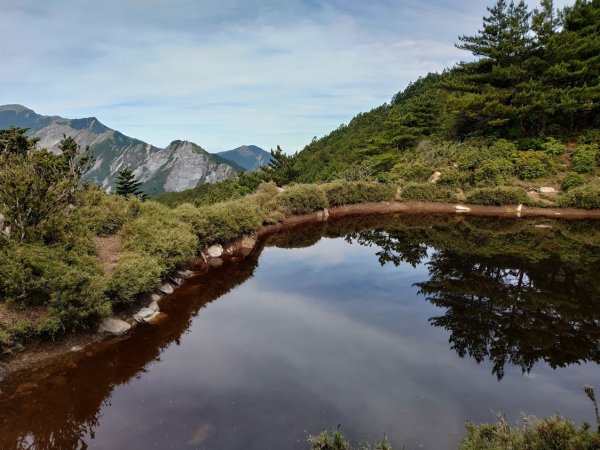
(41,353)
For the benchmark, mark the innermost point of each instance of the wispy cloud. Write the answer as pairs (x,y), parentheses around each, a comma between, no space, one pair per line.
(223,72)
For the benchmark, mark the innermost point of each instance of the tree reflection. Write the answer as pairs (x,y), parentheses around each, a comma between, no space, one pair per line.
(517,297)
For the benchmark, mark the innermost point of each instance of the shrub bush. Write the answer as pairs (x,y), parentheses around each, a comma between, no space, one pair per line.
(222,222)
(533,164)
(553,147)
(158,232)
(453,177)
(104,214)
(500,195)
(502,148)
(135,274)
(341,192)
(551,433)
(494,171)
(427,192)
(584,158)
(572,180)
(587,197)
(302,199)
(411,171)
(67,283)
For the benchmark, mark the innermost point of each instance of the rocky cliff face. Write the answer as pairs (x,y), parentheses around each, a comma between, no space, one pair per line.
(182,165)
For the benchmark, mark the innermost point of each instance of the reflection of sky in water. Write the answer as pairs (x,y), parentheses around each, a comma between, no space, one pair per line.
(321,336)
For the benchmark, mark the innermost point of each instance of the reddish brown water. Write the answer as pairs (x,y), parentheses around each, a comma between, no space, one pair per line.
(404,326)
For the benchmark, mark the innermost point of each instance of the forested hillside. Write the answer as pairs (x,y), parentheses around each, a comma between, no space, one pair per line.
(537,76)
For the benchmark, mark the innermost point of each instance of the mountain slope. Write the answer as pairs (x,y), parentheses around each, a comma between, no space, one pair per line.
(250,157)
(542,81)
(182,165)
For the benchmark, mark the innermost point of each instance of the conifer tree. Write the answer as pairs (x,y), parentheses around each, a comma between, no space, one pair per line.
(127,185)
(505,35)
(545,22)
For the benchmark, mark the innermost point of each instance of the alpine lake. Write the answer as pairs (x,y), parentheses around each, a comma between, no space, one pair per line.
(403,325)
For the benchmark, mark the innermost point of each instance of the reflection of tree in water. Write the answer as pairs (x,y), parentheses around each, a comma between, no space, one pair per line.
(516,297)
(511,294)
(397,245)
(510,311)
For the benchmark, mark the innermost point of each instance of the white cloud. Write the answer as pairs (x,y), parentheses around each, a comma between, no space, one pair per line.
(222,73)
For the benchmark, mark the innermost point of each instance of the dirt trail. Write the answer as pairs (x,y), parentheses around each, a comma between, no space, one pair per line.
(109,251)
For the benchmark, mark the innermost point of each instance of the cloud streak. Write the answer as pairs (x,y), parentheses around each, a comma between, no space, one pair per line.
(223,73)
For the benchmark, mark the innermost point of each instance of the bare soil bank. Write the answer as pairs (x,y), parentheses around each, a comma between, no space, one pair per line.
(39,354)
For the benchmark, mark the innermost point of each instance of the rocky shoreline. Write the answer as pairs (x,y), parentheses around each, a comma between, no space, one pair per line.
(216,255)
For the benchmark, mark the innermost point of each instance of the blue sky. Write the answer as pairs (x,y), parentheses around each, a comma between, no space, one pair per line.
(223,73)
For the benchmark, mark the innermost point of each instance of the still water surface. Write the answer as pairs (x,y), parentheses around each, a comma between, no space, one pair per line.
(405,326)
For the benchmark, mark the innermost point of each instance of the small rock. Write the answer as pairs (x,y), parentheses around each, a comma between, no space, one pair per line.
(185,273)
(155,297)
(547,190)
(215,262)
(325,214)
(76,348)
(114,326)
(177,281)
(435,177)
(143,314)
(248,241)
(461,208)
(154,306)
(166,288)
(542,225)
(280,189)
(215,251)
(320,216)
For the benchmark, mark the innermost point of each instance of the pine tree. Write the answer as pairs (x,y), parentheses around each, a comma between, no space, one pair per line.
(545,22)
(127,185)
(505,35)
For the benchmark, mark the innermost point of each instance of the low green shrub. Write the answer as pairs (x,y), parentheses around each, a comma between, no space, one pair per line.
(427,192)
(586,196)
(134,275)
(265,196)
(411,171)
(494,171)
(222,222)
(104,214)
(572,180)
(550,433)
(67,283)
(533,164)
(500,195)
(502,149)
(453,178)
(158,232)
(341,192)
(584,157)
(554,147)
(302,199)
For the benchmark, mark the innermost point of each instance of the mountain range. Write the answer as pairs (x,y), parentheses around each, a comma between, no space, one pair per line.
(179,166)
